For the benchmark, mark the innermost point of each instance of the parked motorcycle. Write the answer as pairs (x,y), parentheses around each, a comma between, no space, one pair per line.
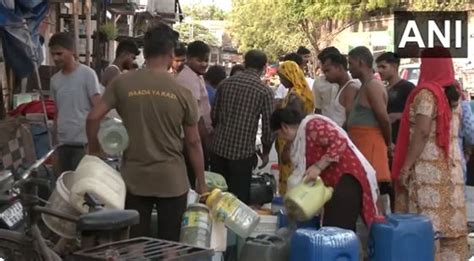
(11,212)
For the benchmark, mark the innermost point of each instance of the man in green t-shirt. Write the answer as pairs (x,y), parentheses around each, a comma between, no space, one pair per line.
(155,110)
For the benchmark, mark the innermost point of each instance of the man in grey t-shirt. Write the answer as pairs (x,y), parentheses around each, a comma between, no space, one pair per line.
(75,89)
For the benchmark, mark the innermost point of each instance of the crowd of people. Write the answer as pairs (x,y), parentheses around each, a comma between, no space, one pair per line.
(362,136)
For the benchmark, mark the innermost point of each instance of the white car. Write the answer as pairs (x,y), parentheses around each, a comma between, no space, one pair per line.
(410,72)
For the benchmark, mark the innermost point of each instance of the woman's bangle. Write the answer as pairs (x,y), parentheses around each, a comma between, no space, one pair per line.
(317,165)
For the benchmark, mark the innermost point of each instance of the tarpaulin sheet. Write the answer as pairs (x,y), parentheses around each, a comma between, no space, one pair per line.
(19,22)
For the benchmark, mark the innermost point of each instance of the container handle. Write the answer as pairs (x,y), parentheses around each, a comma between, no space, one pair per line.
(310,184)
(270,238)
(203,197)
(260,241)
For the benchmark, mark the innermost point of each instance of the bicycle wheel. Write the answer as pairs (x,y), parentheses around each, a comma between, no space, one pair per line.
(15,246)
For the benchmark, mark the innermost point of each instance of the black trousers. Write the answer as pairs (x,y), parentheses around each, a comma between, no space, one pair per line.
(343,209)
(386,188)
(69,157)
(170,214)
(237,173)
(470,171)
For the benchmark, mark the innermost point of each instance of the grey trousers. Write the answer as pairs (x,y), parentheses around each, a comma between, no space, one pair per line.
(69,157)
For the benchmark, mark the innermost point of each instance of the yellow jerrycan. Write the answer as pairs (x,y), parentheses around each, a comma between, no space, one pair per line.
(306,199)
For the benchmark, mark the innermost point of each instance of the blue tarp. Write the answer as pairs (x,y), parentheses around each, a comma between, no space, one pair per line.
(19,22)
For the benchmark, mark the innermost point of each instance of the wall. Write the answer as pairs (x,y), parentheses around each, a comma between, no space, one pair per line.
(374,39)
(375,33)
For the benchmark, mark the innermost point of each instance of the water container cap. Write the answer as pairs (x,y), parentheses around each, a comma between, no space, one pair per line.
(212,196)
(275,167)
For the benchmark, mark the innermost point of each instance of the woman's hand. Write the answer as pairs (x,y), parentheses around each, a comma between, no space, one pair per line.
(312,174)
(405,175)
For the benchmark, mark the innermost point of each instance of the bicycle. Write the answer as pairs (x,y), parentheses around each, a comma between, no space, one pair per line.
(97,227)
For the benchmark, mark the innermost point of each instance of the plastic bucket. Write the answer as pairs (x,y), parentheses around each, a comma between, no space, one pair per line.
(95,177)
(59,200)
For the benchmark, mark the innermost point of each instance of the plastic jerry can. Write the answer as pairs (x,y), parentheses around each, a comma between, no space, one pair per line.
(227,208)
(305,200)
(327,243)
(265,248)
(405,237)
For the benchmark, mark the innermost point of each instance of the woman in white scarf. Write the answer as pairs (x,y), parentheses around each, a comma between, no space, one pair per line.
(322,149)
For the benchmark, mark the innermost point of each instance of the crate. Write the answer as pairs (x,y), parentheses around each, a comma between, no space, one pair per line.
(144,248)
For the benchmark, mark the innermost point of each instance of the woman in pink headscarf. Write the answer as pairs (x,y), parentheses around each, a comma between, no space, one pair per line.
(427,164)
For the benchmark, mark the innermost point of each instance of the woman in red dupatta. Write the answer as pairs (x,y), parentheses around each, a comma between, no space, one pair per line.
(321,148)
(427,164)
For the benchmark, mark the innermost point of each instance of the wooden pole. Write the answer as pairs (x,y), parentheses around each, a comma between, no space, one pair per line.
(87,11)
(111,45)
(47,35)
(75,13)
(3,85)
(99,48)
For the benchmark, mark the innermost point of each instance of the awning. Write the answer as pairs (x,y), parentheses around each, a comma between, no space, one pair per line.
(19,22)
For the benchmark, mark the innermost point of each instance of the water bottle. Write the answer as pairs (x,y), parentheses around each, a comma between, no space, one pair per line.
(196,226)
(113,136)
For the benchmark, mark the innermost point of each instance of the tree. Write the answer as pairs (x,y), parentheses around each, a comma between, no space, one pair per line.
(286,24)
(267,30)
(429,5)
(282,25)
(204,12)
(189,32)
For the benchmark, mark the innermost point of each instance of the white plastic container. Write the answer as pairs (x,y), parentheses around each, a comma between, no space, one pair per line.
(268,225)
(470,241)
(101,181)
(218,236)
(236,216)
(193,197)
(59,200)
(196,226)
(113,136)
